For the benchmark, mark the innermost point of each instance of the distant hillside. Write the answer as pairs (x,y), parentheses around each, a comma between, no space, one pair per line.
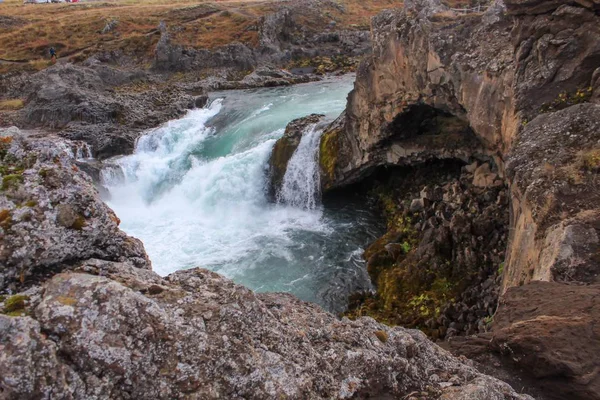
(130,27)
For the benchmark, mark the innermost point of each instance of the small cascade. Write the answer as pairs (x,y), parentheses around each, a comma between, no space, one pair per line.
(302,181)
(112,175)
(194,191)
(76,149)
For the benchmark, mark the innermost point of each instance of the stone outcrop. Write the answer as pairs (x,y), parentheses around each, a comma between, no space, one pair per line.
(283,37)
(173,58)
(92,321)
(104,106)
(109,330)
(50,213)
(507,99)
(284,150)
(550,331)
(516,89)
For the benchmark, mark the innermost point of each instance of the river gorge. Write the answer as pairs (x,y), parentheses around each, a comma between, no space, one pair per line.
(195,192)
(294,211)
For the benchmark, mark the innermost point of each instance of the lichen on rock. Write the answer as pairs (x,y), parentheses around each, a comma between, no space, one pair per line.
(52,214)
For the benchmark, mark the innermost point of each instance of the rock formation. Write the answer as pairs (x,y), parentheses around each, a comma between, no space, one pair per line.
(104,106)
(51,214)
(92,321)
(284,150)
(515,89)
(283,36)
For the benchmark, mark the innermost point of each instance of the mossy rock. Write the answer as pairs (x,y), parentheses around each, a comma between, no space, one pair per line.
(12,181)
(15,306)
(5,219)
(328,154)
(284,150)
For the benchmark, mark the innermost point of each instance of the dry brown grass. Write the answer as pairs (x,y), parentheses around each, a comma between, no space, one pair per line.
(11,105)
(74,30)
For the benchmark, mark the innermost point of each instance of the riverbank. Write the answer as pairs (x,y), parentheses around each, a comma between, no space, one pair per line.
(109,327)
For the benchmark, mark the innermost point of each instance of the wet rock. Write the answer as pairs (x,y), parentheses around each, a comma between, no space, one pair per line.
(201,101)
(284,150)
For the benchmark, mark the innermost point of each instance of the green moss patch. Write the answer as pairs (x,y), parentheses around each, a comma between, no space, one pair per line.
(382,336)
(16,306)
(12,181)
(79,223)
(328,155)
(11,105)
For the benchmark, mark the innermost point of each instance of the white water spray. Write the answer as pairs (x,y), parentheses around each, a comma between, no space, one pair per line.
(301,183)
(194,192)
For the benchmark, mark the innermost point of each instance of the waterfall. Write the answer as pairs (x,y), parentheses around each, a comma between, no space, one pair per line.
(194,191)
(301,183)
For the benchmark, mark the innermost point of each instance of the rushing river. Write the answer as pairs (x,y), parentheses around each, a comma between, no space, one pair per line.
(194,192)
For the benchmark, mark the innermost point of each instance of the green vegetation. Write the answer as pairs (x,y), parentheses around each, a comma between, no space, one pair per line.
(79,223)
(11,181)
(15,306)
(5,219)
(328,154)
(591,160)
(382,336)
(565,100)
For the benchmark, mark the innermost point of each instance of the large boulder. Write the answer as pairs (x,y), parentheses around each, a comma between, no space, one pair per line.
(110,330)
(50,212)
(550,331)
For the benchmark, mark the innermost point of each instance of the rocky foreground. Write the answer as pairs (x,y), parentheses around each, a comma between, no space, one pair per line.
(87,318)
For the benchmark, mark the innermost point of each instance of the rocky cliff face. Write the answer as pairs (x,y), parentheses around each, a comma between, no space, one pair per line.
(91,320)
(515,87)
(50,214)
(283,37)
(505,75)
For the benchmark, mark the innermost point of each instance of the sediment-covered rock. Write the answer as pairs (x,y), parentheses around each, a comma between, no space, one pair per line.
(50,213)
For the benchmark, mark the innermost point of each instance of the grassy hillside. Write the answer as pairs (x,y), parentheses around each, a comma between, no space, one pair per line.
(78,30)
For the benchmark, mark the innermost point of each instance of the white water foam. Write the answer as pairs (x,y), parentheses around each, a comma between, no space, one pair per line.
(301,183)
(194,193)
